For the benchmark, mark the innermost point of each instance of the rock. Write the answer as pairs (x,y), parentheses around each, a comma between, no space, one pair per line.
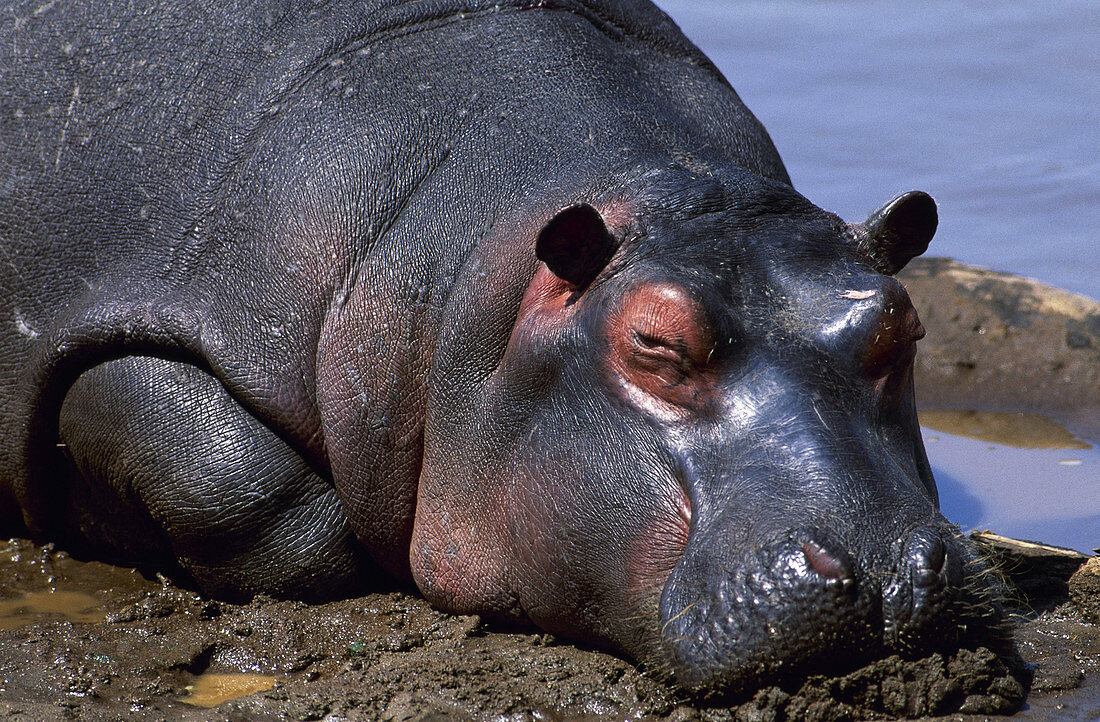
(1039,572)
(1005,343)
(1084,590)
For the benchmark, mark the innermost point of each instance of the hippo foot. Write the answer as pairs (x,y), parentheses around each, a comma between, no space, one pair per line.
(175,468)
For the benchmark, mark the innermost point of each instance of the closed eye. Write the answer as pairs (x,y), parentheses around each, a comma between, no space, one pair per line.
(889,357)
(893,346)
(661,343)
(661,357)
(658,344)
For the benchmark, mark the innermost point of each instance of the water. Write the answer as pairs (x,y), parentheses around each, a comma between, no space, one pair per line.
(212,689)
(31,607)
(1018,475)
(993,108)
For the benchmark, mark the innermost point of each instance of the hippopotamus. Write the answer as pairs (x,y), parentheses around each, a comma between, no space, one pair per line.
(512,300)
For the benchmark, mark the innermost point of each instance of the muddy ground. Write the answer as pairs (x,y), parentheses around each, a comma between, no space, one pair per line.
(84,640)
(100,643)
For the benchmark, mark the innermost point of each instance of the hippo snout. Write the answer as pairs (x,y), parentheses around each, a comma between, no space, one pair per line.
(804,602)
(917,599)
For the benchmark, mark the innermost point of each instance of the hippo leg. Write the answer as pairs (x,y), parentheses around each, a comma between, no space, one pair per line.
(164,462)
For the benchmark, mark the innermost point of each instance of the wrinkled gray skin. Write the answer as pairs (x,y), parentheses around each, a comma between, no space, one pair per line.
(513,301)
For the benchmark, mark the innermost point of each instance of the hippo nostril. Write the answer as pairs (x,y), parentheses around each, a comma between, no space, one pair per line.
(929,563)
(824,563)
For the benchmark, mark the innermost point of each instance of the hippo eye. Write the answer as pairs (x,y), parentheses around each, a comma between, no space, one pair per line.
(658,345)
(659,355)
(660,348)
(893,347)
(889,358)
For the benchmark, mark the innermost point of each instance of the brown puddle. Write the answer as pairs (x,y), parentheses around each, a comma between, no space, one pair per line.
(211,689)
(33,606)
(1019,430)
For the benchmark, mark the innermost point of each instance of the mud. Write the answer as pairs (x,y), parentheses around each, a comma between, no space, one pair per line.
(150,650)
(1015,429)
(86,640)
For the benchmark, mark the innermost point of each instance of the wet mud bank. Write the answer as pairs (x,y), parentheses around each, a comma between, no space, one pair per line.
(999,342)
(86,640)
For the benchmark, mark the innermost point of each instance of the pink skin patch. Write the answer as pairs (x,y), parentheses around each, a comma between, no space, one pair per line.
(457,556)
(661,343)
(546,294)
(660,349)
(657,548)
(824,563)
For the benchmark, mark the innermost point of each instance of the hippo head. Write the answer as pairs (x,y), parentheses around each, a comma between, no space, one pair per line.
(698,443)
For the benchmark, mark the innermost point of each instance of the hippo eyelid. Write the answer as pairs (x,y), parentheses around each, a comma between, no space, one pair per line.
(889,370)
(650,349)
(892,345)
(647,339)
(653,342)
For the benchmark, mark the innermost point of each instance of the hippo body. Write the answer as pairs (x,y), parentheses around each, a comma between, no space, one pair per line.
(511,299)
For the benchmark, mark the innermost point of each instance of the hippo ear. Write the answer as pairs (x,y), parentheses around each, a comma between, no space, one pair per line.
(898,232)
(576,244)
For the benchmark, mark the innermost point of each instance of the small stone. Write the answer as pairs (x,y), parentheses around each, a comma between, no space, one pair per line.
(979,704)
(1076,339)
(1084,590)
